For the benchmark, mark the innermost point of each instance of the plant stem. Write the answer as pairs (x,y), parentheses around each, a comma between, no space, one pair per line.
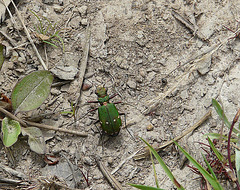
(228,147)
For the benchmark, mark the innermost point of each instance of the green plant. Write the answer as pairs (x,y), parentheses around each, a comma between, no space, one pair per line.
(210,177)
(46,31)
(28,94)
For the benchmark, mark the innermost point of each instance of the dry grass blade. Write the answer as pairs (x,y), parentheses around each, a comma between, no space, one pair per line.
(109,177)
(29,37)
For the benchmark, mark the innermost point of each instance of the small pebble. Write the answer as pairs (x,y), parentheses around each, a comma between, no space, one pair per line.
(82,10)
(132,84)
(154,121)
(150,127)
(84,21)
(86,86)
(142,72)
(110,161)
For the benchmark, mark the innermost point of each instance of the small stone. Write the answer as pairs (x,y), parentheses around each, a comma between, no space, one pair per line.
(48,1)
(65,73)
(110,161)
(132,84)
(86,86)
(55,91)
(154,121)
(20,70)
(88,161)
(58,9)
(83,10)
(142,72)
(84,21)
(150,127)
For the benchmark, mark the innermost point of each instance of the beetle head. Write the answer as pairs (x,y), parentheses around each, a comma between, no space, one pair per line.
(101,92)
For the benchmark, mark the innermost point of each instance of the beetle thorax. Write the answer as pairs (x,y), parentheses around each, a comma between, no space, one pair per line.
(102,100)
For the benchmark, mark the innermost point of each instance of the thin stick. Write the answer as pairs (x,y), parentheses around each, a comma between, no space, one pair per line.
(42,126)
(121,163)
(29,37)
(196,125)
(109,176)
(83,65)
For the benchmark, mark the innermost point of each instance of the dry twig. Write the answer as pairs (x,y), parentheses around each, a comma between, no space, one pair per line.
(40,125)
(109,176)
(29,37)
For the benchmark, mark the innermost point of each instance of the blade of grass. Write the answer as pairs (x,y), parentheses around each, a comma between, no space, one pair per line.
(218,154)
(154,170)
(217,136)
(221,114)
(41,30)
(50,43)
(165,168)
(210,179)
(143,187)
(1,56)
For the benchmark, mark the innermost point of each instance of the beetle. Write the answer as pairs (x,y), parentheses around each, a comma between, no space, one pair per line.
(108,114)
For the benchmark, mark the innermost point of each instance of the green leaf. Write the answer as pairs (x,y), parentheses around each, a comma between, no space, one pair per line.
(221,114)
(10,129)
(208,177)
(143,187)
(164,166)
(31,91)
(237,158)
(35,139)
(1,55)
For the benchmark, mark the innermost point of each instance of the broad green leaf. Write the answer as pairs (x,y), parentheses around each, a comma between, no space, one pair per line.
(216,185)
(35,139)
(237,158)
(10,129)
(164,166)
(31,91)
(221,114)
(143,187)
(1,55)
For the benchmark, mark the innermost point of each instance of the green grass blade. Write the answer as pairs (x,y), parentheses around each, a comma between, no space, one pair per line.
(40,21)
(1,56)
(218,154)
(154,170)
(221,114)
(210,179)
(50,43)
(61,40)
(218,136)
(237,158)
(143,187)
(165,168)
(210,168)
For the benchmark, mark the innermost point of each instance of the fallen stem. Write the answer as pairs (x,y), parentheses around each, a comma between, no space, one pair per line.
(109,177)
(40,125)
(196,125)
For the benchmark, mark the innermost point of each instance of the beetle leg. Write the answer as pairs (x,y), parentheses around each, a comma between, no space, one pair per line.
(126,125)
(92,101)
(117,102)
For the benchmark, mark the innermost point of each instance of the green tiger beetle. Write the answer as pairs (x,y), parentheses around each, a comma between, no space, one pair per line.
(108,114)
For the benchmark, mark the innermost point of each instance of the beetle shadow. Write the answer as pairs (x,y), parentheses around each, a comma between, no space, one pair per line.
(109,142)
